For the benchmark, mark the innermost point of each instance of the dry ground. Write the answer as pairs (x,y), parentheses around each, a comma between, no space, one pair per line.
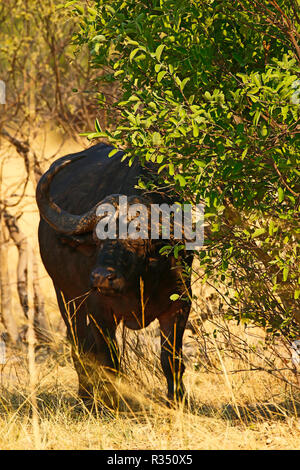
(244,410)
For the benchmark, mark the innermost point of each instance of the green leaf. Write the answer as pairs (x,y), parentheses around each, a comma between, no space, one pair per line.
(181,179)
(285,273)
(258,232)
(113,152)
(68,4)
(280,194)
(195,130)
(97,126)
(256,117)
(244,153)
(174,297)
(152,105)
(156,138)
(141,184)
(159,50)
(79,9)
(111,9)
(162,167)
(161,75)
(133,53)
(171,169)
(184,82)
(118,72)
(284,112)
(263,130)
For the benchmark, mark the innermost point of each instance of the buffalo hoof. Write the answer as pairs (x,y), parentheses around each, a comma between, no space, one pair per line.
(177,398)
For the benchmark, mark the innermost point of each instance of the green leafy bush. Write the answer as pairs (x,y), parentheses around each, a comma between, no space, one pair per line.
(208,91)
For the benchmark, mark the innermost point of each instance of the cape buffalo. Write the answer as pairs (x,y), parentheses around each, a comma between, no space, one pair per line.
(100,282)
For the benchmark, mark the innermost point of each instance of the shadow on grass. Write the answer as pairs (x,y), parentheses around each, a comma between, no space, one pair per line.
(249,413)
(51,404)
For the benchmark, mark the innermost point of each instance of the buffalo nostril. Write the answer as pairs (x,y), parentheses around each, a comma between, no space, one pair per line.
(102,277)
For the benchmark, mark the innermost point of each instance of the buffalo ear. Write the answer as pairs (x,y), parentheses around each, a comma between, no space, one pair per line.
(83,243)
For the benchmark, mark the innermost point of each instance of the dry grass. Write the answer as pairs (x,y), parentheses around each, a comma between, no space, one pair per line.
(244,410)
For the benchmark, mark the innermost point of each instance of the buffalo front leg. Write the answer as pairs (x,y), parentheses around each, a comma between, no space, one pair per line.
(97,366)
(171,330)
(94,351)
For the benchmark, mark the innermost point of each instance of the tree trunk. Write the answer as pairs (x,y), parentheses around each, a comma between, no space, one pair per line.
(6,315)
(40,322)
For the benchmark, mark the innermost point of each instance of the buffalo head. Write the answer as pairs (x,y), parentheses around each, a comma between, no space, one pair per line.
(121,260)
